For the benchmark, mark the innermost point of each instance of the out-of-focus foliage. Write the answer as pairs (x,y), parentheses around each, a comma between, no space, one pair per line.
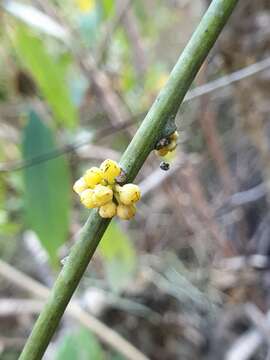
(47,187)
(119,255)
(86,5)
(49,74)
(35,18)
(191,217)
(49,44)
(108,8)
(43,45)
(81,345)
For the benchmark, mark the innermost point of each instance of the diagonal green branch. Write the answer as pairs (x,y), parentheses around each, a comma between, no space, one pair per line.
(150,131)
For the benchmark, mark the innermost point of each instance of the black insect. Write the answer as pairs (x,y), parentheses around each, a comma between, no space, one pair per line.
(164,166)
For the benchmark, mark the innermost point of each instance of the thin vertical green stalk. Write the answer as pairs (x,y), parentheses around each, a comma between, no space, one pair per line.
(150,131)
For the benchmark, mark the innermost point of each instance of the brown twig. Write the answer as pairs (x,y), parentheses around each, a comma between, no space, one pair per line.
(132,30)
(200,204)
(110,30)
(208,125)
(109,130)
(111,102)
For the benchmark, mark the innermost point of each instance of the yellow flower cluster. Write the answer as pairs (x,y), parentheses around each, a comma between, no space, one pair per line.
(98,189)
(171,143)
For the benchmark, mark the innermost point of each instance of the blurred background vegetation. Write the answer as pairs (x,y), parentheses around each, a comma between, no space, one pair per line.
(188,278)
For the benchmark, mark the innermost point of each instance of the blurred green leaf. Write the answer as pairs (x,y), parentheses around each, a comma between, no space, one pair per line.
(48,73)
(47,187)
(156,77)
(81,345)
(7,227)
(116,357)
(2,190)
(128,78)
(108,8)
(119,254)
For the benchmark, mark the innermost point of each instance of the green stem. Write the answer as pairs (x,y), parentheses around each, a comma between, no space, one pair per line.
(150,131)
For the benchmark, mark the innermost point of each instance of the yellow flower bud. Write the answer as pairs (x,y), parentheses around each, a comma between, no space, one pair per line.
(110,170)
(162,152)
(87,199)
(172,145)
(93,176)
(80,185)
(126,212)
(102,194)
(174,136)
(108,210)
(129,194)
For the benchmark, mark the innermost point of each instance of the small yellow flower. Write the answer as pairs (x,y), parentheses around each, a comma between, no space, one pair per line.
(110,170)
(87,199)
(108,210)
(98,189)
(102,195)
(80,185)
(126,212)
(162,152)
(174,136)
(172,145)
(93,176)
(129,194)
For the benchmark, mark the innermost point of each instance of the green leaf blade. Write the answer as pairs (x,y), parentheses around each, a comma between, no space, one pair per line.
(48,74)
(80,344)
(119,255)
(47,188)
